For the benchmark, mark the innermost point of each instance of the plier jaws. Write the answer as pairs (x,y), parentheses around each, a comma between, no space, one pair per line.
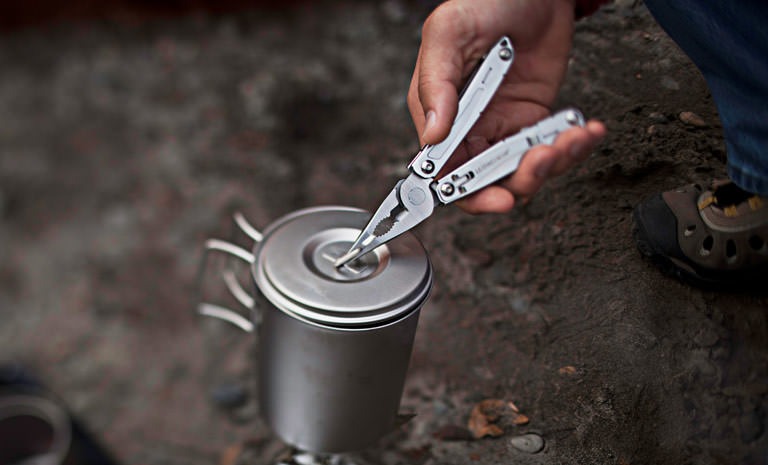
(410,202)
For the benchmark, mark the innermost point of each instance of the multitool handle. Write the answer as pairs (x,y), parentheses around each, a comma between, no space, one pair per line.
(503,158)
(474,98)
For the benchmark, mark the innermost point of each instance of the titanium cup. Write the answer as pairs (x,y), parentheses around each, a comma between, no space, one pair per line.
(334,344)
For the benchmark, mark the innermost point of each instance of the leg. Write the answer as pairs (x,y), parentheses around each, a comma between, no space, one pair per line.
(728,41)
(718,236)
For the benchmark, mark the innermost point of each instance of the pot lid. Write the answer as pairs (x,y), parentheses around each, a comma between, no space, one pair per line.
(294,270)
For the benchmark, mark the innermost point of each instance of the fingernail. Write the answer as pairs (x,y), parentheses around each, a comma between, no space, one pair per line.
(544,167)
(431,117)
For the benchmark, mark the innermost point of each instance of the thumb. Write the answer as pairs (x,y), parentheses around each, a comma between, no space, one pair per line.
(435,85)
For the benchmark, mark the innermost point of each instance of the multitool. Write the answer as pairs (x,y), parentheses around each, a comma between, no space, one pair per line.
(414,198)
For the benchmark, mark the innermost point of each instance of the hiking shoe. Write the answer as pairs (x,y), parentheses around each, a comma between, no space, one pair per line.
(708,237)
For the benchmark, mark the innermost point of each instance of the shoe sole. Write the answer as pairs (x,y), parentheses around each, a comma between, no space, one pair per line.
(685,272)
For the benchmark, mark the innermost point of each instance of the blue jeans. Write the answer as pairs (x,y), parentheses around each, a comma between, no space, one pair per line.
(728,41)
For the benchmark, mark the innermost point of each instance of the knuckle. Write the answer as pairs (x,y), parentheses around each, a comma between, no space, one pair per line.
(448,18)
(438,17)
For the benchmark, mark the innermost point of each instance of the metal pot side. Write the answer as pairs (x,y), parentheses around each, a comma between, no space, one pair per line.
(323,391)
(334,345)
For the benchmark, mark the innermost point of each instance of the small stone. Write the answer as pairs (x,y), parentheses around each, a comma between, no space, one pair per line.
(691,118)
(669,83)
(229,395)
(530,443)
(520,304)
(657,117)
(306,459)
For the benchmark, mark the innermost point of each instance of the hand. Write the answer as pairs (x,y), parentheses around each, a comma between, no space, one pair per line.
(454,38)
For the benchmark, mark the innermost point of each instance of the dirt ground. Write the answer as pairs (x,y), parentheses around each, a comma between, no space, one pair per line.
(124,144)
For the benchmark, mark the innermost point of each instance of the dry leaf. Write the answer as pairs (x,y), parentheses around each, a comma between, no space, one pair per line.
(483,417)
(482,420)
(689,117)
(567,370)
(520,419)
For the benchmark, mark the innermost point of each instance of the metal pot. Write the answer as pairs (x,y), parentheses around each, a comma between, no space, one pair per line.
(334,344)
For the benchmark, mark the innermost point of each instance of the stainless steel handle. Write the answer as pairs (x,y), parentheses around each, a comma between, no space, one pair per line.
(474,98)
(230,279)
(503,158)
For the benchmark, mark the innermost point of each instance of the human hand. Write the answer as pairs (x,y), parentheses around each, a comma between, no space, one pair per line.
(454,38)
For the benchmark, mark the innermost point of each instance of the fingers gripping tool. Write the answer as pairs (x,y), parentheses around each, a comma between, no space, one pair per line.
(414,198)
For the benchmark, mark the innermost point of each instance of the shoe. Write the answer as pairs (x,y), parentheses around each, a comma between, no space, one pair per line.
(716,237)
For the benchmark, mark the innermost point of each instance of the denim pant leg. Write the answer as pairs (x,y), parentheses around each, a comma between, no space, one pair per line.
(728,41)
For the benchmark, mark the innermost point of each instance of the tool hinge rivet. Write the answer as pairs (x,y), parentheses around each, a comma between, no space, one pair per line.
(505,53)
(447,189)
(427,166)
